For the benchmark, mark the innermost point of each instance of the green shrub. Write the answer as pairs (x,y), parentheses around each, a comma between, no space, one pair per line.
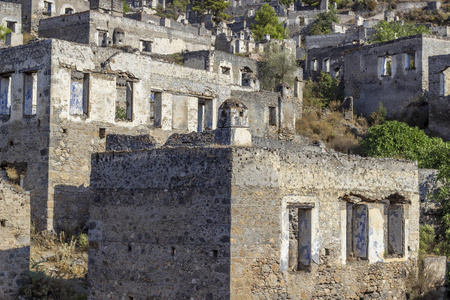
(387,31)
(322,23)
(427,240)
(322,92)
(121,113)
(3,32)
(398,140)
(83,241)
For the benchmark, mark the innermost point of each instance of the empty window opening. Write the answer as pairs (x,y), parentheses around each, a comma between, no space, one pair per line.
(11,143)
(205,111)
(124,101)
(326,65)
(102,133)
(444,84)
(299,238)
(69,11)
(11,25)
(102,38)
(215,253)
(246,76)
(225,70)
(156,108)
(357,231)
(5,95)
(387,66)
(410,61)
(30,93)
(173,251)
(48,8)
(118,36)
(3,223)
(272,116)
(314,65)
(337,73)
(79,94)
(146,46)
(396,227)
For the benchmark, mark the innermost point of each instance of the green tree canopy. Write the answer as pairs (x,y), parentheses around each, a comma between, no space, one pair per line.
(267,23)
(172,10)
(278,65)
(399,140)
(214,7)
(387,31)
(126,7)
(322,23)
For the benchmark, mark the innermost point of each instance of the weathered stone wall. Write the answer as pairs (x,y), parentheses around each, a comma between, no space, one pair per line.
(11,12)
(175,240)
(439,96)
(233,227)
(368,83)
(429,208)
(86,28)
(14,237)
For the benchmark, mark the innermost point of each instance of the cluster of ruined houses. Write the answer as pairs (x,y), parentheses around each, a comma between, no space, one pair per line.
(96,122)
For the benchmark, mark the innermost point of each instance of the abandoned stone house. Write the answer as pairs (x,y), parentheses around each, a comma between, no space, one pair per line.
(226,222)
(439,96)
(35,10)
(393,73)
(60,99)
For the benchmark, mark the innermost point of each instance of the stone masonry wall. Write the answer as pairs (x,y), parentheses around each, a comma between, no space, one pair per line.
(163,236)
(150,202)
(369,86)
(14,237)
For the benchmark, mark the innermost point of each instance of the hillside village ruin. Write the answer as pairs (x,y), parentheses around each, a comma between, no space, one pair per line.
(155,136)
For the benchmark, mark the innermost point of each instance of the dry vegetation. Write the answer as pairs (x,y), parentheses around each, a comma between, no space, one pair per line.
(58,267)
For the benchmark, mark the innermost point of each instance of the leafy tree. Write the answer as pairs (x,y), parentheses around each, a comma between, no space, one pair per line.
(387,31)
(126,7)
(278,65)
(214,7)
(286,2)
(397,139)
(267,23)
(3,32)
(321,92)
(172,10)
(322,23)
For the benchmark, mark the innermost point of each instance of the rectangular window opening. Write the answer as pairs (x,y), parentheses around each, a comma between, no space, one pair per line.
(272,116)
(387,66)
(410,61)
(68,11)
(205,111)
(79,94)
(300,239)
(396,226)
(314,65)
(146,46)
(47,8)
(326,65)
(357,231)
(30,93)
(102,133)
(5,95)
(124,101)
(225,70)
(156,111)
(11,25)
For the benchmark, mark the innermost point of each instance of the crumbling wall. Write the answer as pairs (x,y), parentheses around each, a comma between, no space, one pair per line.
(89,27)
(161,236)
(14,237)
(439,95)
(11,13)
(256,188)
(379,73)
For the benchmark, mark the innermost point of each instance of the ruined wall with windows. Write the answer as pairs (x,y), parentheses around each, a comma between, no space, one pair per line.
(14,235)
(11,16)
(439,95)
(259,222)
(101,29)
(393,73)
(35,10)
(58,105)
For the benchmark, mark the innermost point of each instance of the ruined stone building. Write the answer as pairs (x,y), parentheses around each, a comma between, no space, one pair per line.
(439,95)
(14,236)
(59,100)
(393,73)
(274,222)
(35,10)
